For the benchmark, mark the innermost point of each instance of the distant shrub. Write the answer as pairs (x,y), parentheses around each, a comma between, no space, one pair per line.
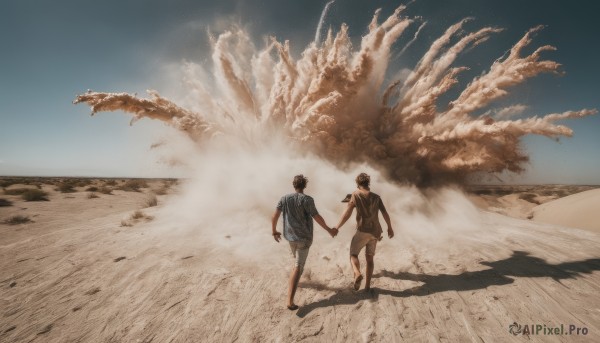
(92,189)
(133,185)
(92,195)
(126,223)
(105,190)
(8,182)
(66,187)
(111,182)
(16,191)
(138,215)
(82,182)
(135,217)
(5,203)
(34,195)
(165,187)
(151,201)
(529,197)
(18,219)
(160,191)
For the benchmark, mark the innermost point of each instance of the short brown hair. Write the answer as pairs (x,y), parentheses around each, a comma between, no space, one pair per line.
(300,182)
(363,180)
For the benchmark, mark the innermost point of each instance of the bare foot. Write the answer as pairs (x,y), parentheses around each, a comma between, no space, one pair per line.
(357,281)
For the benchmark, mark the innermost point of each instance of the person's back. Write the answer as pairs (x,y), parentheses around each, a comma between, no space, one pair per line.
(368,205)
(298,210)
(368,229)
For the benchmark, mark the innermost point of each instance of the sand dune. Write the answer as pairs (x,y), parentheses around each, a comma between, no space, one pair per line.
(82,277)
(581,210)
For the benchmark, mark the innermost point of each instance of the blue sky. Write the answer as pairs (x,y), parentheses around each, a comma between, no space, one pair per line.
(51,51)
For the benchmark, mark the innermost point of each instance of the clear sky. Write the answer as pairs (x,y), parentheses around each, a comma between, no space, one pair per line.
(53,50)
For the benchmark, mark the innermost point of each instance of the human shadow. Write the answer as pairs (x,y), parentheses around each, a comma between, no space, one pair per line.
(519,264)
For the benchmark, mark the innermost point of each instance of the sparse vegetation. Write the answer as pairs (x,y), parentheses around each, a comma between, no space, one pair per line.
(92,189)
(138,215)
(135,217)
(529,197)
(165,187)
(105,190)
(111,182)
(18,219)
(66,187)
(16,191)
(34,195)
(5,203)
(126,223)
(92,195)
(6,183)
(82,182)
(133,185)
(151,201)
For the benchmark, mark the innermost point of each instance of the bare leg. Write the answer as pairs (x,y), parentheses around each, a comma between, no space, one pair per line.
(356,268)
(355,265)
(293,285)
(370,266)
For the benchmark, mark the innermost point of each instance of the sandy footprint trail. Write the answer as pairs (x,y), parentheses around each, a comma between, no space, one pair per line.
(90,280)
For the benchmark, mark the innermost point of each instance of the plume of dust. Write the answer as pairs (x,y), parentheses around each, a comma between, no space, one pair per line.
(321,20)
(326,102)
(230,198)
(260,116)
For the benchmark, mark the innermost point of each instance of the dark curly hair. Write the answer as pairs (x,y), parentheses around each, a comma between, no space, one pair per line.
(363,179)
(300,182)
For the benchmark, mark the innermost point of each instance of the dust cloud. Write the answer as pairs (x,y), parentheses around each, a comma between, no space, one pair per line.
(333,103)
(257,117)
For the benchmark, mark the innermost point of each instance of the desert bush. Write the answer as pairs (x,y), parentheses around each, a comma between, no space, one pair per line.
(105,190)
(8,182)
(111,182)
(34,195)
(16,191)
(160,191)
(133,185)
(82,182)
(151,201)
(92,195)
(92,189)
(18,219)
(126,223)
(5,203)
(529,197)
(66,187)
(135,217)
(138,215)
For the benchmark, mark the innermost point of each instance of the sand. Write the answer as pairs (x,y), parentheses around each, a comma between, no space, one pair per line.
(581,210)
(76,275)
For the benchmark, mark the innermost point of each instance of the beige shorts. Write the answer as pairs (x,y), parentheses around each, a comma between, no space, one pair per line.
(362,239)
(299,250)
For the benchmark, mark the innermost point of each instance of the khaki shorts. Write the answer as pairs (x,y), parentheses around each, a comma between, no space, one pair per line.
(299,250)
(362,239)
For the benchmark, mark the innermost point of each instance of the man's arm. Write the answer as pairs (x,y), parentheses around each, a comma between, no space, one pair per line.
(274,219)
(388,221)
(346,215)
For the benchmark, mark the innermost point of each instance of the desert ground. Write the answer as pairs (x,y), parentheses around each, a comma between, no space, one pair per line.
(97,262)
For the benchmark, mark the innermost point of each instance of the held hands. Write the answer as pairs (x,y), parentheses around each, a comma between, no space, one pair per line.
(333,232)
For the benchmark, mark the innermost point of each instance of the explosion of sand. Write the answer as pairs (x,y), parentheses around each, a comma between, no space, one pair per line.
(326,102)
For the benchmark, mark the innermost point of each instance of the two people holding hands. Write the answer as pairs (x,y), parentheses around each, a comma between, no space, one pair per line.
(298,213)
